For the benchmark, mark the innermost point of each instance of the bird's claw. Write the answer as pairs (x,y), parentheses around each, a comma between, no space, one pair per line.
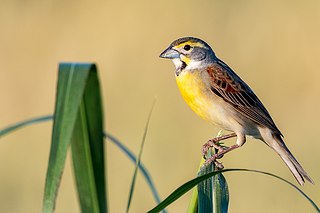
(213,159)
(211,143)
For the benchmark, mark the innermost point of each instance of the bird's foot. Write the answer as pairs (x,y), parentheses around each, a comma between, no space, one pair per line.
(215,144)
(213,159)
(218,155)
(211,143)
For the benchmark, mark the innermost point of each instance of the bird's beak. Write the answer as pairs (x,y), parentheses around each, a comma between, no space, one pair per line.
(170,53)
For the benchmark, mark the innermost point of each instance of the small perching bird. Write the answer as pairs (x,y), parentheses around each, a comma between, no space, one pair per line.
(217,94)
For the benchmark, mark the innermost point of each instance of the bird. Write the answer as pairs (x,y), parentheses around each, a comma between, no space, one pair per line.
(218,95)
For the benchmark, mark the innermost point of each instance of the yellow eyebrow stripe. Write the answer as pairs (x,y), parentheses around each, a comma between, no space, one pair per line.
(193,44)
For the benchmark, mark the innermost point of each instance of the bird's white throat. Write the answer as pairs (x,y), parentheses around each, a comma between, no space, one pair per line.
(177,63)
(192,64)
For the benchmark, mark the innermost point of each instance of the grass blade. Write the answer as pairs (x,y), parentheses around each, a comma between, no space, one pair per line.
(81,156)
(193,204)
(213,192)
(110,137)
(21,124)
(220,194)
(142,168)
(72,83)
(139,159)
(178,192)
(66,110)
(192,183)
(88,149)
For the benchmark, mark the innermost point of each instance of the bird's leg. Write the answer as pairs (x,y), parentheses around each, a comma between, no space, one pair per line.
(241,139)
(219,155)
(215,144)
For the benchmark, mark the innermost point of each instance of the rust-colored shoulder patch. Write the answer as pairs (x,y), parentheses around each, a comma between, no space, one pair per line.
(221,79)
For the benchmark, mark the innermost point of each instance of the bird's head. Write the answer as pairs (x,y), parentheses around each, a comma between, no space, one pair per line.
(189,53)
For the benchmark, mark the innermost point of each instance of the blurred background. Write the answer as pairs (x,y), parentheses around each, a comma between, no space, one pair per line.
(273,45)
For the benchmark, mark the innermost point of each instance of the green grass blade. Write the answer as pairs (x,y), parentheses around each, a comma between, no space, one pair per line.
(190,184)
(88,149)
(220,194)
(212,194)
(173,196)
(21,124)
(139,159)
(284,180)
(82,163)
(142,168)
(205,191)
(71,85)
(193,204)
(110,137)
(83,170)
(72,82)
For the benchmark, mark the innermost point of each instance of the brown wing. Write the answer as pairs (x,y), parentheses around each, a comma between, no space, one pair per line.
(228,85)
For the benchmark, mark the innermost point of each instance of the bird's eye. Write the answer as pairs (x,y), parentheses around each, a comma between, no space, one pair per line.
(187,47)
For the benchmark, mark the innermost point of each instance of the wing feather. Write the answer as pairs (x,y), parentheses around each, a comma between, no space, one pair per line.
(228,85)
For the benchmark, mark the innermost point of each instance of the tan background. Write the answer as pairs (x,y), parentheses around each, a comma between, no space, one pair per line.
(273,45)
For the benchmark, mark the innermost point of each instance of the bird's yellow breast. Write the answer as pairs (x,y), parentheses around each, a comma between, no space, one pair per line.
(195,93)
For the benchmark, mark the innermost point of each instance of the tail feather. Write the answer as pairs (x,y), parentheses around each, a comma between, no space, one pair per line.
(279,146)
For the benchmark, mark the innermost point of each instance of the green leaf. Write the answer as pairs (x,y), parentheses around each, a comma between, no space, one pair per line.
(77,94)
(190,184)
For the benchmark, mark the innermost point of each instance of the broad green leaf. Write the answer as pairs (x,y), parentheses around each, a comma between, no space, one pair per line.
(75,83)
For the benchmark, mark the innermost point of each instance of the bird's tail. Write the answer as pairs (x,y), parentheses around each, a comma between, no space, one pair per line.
(279,146)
